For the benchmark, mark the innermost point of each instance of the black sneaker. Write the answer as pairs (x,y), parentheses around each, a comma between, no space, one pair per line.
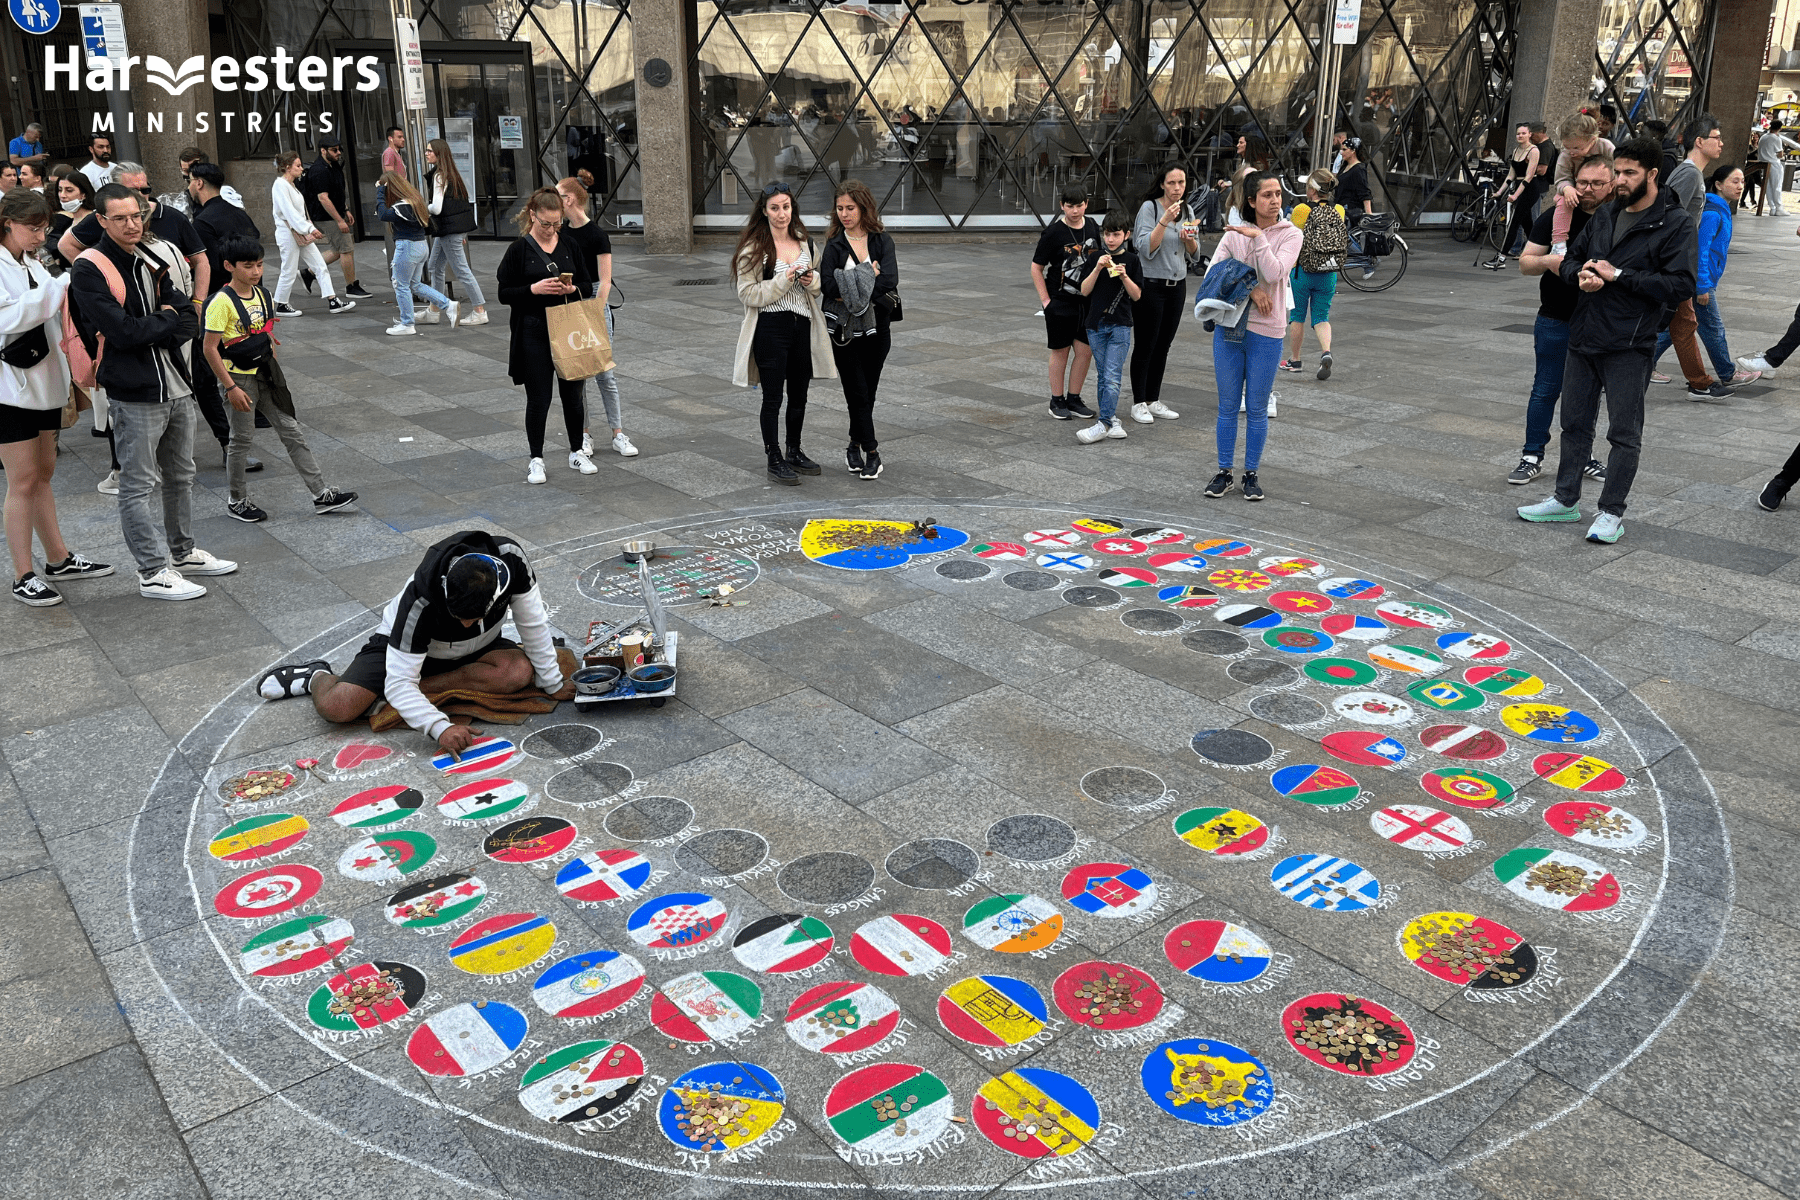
(1773,493)
(243,510)
(287,310)
(330,500)
(1718,391)
(335,306)
(872,465)
(29,589)
(357,291)
(308,278)
(853,458)
(1252,489)
(77,566)
(1221,483)
(1076,408)
(797,459)
(1529,468)
(1059,409)
(1325,365)
(1594,470)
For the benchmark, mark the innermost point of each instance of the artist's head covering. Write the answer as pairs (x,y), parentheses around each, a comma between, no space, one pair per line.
(474,584)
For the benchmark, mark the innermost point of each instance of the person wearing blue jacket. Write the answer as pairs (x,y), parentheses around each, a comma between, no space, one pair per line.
(1724,188)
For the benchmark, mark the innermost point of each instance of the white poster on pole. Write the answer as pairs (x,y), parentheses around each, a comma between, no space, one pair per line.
(412,62)
(512,133)
(460,133)
(103,31)
(1346,22)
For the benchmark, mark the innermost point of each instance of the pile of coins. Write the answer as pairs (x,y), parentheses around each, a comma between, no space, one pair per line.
(258,785)
(1108,995)
(1222,956)
(1348,1037)
(854,535)
(1198,1078)
(424,906)
(1037,1119)
(361,995)
(887,1109)
(707,1117)
(836,1021)
(1605,824)
(1465,951)
(576,1092)
(1559,879)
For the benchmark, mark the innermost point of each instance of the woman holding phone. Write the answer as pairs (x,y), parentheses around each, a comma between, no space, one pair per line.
(1165,238)
(543,267)
(783,342)
(859,264)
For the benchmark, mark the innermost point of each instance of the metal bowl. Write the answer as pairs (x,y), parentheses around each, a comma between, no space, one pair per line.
(652,677)
(596,681)
(638,551)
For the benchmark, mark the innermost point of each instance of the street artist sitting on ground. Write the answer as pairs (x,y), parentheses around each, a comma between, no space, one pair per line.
(443,627)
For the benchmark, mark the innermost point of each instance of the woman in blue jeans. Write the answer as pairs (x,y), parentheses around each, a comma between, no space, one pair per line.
(1245,357)
(452,220)
(1724,188)
(399,204)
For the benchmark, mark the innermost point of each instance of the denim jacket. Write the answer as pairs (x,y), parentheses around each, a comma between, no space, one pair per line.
(1225,292)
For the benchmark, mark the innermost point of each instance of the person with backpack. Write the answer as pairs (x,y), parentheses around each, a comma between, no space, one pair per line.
(1058,266)
(137,327)
(328,207)
(241,355)
(1324,240)
(1166,238)
(34,387)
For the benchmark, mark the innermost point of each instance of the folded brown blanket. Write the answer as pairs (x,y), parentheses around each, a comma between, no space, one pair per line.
(510,708)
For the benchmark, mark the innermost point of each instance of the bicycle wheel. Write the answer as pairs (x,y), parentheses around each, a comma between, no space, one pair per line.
(1493,230)
(1464,225)
(1367,274)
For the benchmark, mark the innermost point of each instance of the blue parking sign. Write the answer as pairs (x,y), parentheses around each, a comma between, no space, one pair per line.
(35,16)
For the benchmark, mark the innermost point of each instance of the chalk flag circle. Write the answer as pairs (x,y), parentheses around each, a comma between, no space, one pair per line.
(1293,568)
(1177,560)
(1119,546)
(589,983)
(1247,616)
(1557,879)
(1108,995)
(504,943)
(1013,924)
(580,1082)
(1110,889)
(1504,681)
(484,754)
(529,839)
(387,857)
(992,1010)
(901,944)
(1189,595)
(1221,831)
(296,946)
(1310,783)
(1408,614)
(1000,551)
(599,875)
(379,806)
(674,921)
(1061,539)
(436,901)
(1390,1045)
(1295,639)
(483,800)
(783,943)
(1593,823)
(1204,1081)
(1353,626)
(1550,723)
(1466,743)
(1306,604)
(1224,548)
(1128,577)
(692,1116)
(1474,647)
(1237,579)
(1348,587)
(842,1017)
(889,1108)
(1364,748)
(1373,708)
(1469,951)
(1159,535)
(1217,951)
(1340,672)
(1034,1112)
(1578,772)
(1099,525)
(1325,883)
(706,1006)
(368,995)
(1467,788)
(467,1039)
(1067,562)
(268,892)
(1421,827)
(258,837)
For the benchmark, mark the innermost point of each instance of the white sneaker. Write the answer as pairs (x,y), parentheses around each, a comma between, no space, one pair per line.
(536,473)
(108,486)
(399,330)
(1274,399)
(455,311)
(623,445)
(199,562)
(1116,430)
(1758,362)
(1141,414)
(428,316)
(587,443)
(1088,435)
(581,462)
(167,584)
(475,318)
(1159,409)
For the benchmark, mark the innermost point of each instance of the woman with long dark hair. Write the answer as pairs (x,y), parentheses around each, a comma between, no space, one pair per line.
(75,203)
(453,219)
(783,343)
(530,279)
(1165,237)
(399,204)
(858,268)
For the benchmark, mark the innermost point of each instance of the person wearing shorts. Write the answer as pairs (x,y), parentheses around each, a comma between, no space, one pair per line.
(444,625)
(1064,255)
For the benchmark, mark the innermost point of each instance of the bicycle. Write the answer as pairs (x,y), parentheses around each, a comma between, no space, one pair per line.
(1483,216)
(1367,270)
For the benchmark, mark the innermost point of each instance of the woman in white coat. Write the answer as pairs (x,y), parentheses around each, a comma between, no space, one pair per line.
(34,388)
(295,235)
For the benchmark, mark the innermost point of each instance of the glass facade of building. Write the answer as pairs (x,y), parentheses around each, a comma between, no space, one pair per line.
(1648,56)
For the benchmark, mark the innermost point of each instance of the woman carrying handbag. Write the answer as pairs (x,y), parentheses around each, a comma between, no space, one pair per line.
(399,204)
(858,271)
(35,388)
(544,267)
(783,343)
(453,219)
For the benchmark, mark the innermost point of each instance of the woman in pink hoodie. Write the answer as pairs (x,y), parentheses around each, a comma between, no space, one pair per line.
(1245,358)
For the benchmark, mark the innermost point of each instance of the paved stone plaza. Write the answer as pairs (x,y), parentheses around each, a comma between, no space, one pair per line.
(1008,829)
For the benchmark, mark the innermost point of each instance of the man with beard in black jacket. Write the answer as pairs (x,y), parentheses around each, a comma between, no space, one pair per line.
(1634,262)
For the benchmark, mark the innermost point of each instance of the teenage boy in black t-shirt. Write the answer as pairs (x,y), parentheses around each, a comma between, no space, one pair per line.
(1064,255)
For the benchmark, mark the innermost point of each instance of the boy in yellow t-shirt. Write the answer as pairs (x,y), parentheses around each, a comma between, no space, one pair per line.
(241,353)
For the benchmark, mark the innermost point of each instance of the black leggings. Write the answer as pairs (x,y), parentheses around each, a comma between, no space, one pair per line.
(782,348)
(859,367)
(1157,315)
(1790,340)
(540,382)
(1521,217)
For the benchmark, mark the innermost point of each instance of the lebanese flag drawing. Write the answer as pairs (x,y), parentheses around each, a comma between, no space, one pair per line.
(367,995)
(1013,924)
(588,984)
(269,891)
(1531,873)
(1036,1113)
(916,1107)
(778,944)
(466,1039)
(1421,827)
(588,1079)
(901,944)
(604,875)
(378,806)
(296,947)
(842,1018)
(706,1006)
